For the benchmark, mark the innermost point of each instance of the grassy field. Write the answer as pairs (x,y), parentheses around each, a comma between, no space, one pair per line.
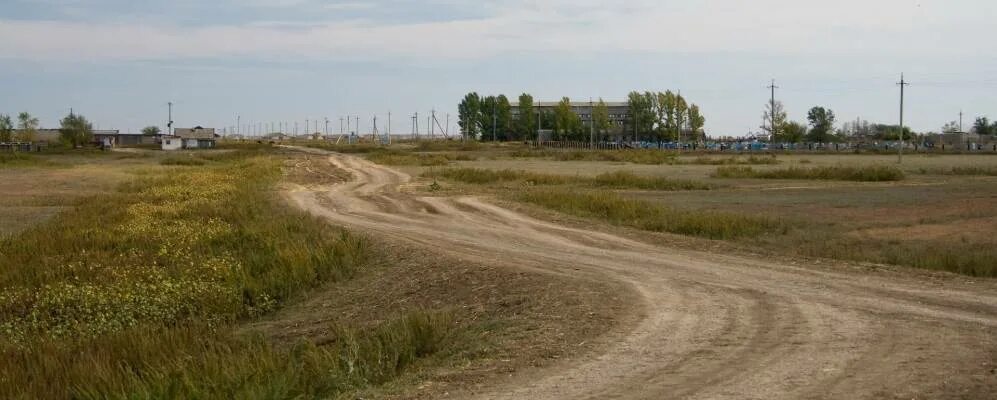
(933,212)
(185,276)
(114,298)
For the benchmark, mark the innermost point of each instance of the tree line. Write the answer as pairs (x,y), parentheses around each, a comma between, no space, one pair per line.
(652,116)
(820,127)
(74,129)
(663,117)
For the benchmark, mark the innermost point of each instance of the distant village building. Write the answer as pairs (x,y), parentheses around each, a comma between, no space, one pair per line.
(619,113)
(190,138)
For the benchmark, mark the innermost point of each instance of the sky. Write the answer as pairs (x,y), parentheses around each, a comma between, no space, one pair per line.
(119,62)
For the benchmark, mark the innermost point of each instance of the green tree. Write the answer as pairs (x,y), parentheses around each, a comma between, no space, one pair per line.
(600,118)
(696,122)
(681,114)
(780,118)
(642,114)
(469,114)
(75,130)
(821,125)
(150,130)
(527,123)
(488,119)
(982,126)
(790,132)
(27,127)
(504,112)
(6,128)
(567,124)
(666,114)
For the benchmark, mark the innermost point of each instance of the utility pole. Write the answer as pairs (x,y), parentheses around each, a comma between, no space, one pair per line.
(591,125)
(539,115)
(772,126)
(238,124)
(169,123)
(389,127)
(960,121)
(415,125)
(900,152)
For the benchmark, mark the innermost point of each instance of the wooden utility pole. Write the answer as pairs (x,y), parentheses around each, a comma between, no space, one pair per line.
(900,151)
(772,127)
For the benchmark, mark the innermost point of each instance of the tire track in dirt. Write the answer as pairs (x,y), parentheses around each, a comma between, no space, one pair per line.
(714,326)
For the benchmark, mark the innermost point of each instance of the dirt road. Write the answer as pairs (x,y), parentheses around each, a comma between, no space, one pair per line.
(714,326)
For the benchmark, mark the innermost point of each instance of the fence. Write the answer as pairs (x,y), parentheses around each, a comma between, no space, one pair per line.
(749,147)
(20,147)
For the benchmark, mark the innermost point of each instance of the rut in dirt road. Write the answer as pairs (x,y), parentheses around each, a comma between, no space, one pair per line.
(713,326)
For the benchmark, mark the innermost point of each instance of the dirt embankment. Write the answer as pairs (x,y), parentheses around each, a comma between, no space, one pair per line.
(713,325)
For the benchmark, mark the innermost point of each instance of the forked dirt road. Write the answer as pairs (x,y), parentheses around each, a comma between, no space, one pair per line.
(713,326)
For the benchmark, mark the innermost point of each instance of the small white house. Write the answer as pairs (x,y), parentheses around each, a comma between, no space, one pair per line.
(172,143)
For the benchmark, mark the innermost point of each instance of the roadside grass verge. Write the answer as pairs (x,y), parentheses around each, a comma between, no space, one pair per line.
(962,258)
(871,173)
(397,158)
(135,294)
(609,180)
(618,210)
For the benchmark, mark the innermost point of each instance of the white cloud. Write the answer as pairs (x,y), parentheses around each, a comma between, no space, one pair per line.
(771,26)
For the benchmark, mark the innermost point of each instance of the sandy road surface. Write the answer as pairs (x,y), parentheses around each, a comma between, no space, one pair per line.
(714,326)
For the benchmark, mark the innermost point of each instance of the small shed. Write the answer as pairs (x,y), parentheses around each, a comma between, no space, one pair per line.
(169,143)
(197,137)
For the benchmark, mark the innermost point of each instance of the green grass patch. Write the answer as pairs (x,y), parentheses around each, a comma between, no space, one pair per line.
(619,210)
(609,180)
(871,173)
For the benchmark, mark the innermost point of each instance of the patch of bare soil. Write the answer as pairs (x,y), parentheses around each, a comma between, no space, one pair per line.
(976,231)
(505,321)
(713,325)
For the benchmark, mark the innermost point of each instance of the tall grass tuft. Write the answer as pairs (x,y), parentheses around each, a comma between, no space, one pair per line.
(872,173)
(618,210)
(201,362)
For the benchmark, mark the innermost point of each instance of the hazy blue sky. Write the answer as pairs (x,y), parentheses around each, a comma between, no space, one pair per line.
(120,61)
